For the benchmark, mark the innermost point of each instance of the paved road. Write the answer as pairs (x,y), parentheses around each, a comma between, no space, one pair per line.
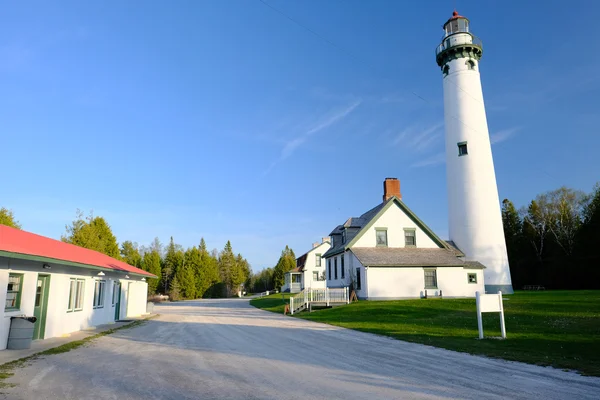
(225,349)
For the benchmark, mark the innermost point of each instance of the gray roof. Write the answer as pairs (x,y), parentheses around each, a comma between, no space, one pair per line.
(455,248)
(354,222)
(407,256)
(474,265)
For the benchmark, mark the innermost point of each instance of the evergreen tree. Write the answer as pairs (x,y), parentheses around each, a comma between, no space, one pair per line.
(92,233)
(513,234)
(207,273)
(227,268)
(151,263)
(587,243)
(173,259)
(174,290)
(286,262)
(8,218)
(130,253)
(185,277)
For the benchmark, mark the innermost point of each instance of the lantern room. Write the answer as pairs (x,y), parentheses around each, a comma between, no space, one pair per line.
(456,24)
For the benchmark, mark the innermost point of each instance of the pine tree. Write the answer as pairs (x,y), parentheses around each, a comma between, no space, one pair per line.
(227,267)
(92,233)
(207,273)
(8,218)
(186,279)
(175,290)
(513,234)
(286,262)
(170,263)
(130,253)
(151,263)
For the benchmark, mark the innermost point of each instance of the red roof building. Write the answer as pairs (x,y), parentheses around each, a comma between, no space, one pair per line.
(15,243)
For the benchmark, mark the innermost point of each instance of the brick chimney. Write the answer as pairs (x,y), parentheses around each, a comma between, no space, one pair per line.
(326,239)
(316,244)
(391,187)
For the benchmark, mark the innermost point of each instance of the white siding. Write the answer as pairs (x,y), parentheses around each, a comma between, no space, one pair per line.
(310,267)
(395,220)
(58,320)
(398,282)
(474,216)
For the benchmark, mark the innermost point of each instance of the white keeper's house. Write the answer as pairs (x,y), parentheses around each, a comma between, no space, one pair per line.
(68,288)
(389,253)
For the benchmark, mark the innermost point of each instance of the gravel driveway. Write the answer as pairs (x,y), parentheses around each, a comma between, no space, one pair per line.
(226,349)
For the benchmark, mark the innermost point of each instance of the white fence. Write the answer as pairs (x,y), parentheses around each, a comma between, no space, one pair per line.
(325,296)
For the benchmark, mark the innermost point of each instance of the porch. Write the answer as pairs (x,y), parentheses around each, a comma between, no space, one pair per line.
(327,297)
(293,282)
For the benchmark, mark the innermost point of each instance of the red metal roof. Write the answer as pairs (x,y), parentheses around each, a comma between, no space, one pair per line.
(16,241)
(455,15)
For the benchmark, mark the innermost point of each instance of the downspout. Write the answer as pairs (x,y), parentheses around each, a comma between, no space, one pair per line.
(366,283)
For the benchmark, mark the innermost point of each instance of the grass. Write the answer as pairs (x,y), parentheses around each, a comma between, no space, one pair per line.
(553,328)
(6,370)
(273,302)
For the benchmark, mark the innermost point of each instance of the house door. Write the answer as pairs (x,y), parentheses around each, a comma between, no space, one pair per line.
(40,306)
(117,299)
(128,299)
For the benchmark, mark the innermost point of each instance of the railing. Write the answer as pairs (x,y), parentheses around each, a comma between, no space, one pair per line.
(457,39)
(297,301)
(327,296)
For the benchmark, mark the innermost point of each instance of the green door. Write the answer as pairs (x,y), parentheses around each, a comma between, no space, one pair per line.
(117,299)
(40,306)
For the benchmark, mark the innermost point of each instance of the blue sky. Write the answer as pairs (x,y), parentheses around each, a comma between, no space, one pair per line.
(225,120)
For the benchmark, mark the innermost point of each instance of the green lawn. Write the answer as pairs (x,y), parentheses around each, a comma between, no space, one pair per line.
(557,328)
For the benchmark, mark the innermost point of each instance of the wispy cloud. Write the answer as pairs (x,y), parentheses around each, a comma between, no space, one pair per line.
(333,116)
(430,161)
(418,140)
(503,135)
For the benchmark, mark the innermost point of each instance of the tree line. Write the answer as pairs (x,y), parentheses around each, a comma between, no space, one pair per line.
(189,273)
(273,278)
(555,240)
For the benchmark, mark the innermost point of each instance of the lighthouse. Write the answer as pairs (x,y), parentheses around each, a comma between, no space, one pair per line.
(474,217)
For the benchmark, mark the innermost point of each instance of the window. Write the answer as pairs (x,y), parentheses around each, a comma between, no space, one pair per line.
(472,278)
(358,278)
(410,239)
(430,279)
(99,294)
(329,268)
(318,260)
(344,236)
(462,149)
(343,269)
(13,292)
(335,267)
(116,290)
(315,276)
(445,70)
(76,295)
(470,64)
(381,237)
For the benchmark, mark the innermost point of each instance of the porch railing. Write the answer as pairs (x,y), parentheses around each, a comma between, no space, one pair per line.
(326,296)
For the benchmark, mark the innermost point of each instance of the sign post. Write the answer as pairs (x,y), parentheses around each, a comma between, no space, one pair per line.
(490,303)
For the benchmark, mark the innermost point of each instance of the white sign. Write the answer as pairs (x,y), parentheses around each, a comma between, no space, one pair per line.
(490,303)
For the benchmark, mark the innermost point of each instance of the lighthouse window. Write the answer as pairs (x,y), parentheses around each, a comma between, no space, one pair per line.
(462,149)
(470,64)
(445,70)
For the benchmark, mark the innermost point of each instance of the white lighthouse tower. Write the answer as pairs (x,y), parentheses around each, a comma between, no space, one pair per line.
(474,217)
